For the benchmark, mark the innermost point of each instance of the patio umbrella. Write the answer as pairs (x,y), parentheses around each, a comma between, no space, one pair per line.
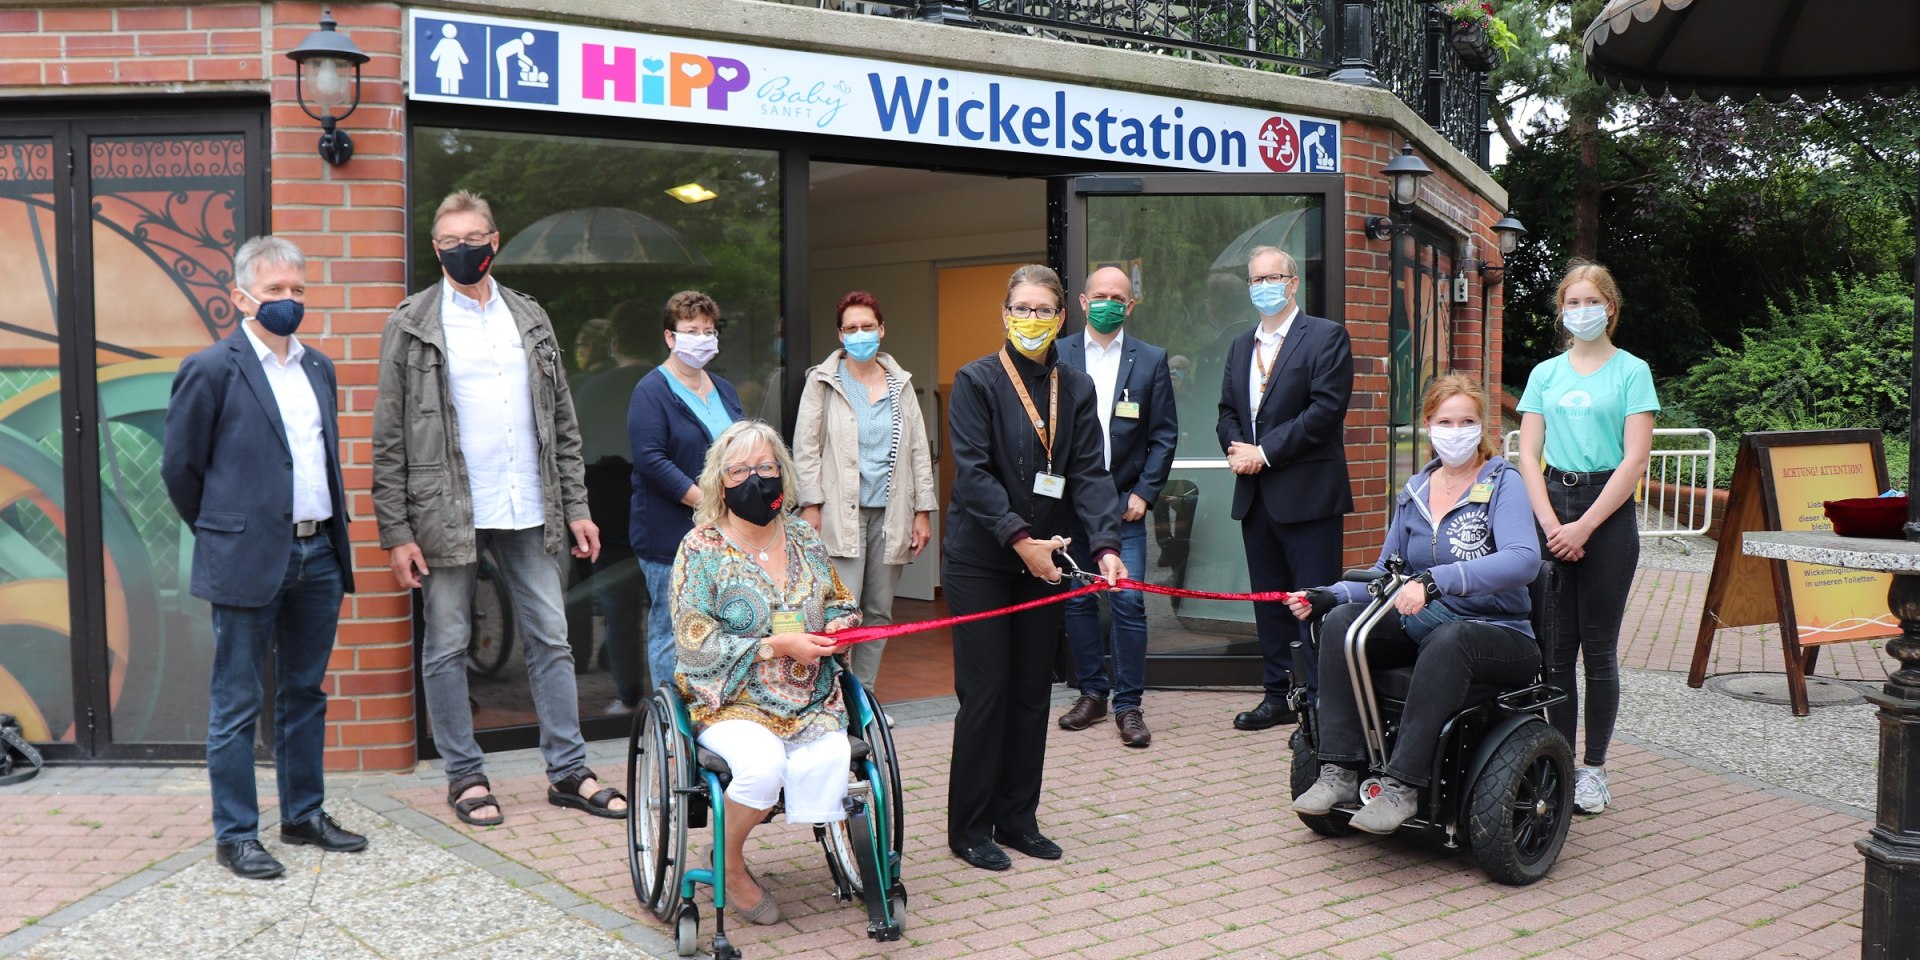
(598,238)
(1739,49)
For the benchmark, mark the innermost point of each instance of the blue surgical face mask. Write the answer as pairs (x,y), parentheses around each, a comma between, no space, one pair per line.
(279,317)
(862,345)
(1268,298)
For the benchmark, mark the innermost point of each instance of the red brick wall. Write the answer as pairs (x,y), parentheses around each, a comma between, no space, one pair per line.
(350,220)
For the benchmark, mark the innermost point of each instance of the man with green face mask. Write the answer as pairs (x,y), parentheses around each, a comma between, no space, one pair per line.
(1134,398)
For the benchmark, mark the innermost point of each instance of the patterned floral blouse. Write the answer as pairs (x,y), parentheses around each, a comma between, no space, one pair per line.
(723,606)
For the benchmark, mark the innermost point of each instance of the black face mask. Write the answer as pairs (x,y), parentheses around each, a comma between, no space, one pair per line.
(757,499)
(467,263)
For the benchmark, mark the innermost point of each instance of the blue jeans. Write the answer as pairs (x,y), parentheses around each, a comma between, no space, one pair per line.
(1129,635)
(299,625)
(534,582)
(661,645)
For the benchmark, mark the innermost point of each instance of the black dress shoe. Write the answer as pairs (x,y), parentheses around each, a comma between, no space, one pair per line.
(1267,714)
(324,832)
(986,856)
(1032,844)
(248,859)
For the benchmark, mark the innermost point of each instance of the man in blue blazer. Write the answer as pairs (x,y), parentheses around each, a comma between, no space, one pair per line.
(1283,409)
(1133,392)
(251,463)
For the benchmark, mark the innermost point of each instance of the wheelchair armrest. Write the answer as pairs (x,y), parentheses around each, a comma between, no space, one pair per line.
(1362,575)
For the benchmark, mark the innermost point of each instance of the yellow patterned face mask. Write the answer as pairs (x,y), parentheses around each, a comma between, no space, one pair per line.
(1031,335)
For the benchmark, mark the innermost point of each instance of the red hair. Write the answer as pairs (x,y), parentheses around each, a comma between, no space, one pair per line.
(858,298)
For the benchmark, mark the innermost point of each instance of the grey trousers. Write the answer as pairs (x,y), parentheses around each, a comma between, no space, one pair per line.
(872,581)
(537,587)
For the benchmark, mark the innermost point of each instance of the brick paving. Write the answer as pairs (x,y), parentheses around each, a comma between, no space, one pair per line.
(1183,850)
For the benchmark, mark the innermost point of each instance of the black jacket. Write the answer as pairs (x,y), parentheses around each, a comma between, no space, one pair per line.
(1143,445)
(997,453)
(1301,424)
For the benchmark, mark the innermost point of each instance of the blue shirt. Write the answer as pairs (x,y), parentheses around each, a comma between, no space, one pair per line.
(1587,416)
(876,422)
(712,411)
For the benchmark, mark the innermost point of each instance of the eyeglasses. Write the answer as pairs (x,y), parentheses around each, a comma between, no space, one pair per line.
(736,472)
(1269,278)
(1024,312)
(862,328)
(471,240)
(708,332)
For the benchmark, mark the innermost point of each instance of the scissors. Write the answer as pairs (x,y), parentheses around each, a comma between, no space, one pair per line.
(1070,570)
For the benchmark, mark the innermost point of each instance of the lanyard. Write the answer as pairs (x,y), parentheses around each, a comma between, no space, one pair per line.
(1045,433)
(1266,366)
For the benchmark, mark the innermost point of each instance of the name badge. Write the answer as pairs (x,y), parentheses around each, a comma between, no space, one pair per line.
(1481,493)
(1050,485)
(788,621)
(1129,410)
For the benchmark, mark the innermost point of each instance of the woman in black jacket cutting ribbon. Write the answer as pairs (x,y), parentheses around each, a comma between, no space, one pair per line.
(1028,461)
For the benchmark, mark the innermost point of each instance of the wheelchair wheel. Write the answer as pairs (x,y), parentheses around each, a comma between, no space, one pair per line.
(657,771)
(1521,805)
(1306,770)
(879,736)
(885,899)
(686,930)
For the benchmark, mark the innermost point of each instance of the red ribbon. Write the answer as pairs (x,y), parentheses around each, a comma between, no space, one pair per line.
(867,634)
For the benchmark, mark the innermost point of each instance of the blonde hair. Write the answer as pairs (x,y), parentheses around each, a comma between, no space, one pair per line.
(1453,385)
(463,201)
(1602,280)
(713,479)
(1039,275)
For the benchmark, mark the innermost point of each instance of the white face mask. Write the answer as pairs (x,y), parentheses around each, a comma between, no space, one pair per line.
(1586,322)
(1455,445)
(696,350)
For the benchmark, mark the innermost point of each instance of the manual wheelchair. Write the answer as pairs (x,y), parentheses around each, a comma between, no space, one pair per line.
(1502,776)
(675,786)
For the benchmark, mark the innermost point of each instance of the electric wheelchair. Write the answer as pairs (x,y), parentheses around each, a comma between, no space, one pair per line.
(1502,780)
(674,786)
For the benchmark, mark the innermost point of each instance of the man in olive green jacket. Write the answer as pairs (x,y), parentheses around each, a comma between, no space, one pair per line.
(476,450)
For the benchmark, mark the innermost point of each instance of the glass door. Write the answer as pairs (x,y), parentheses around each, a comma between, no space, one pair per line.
(1184,239)
(1421,343)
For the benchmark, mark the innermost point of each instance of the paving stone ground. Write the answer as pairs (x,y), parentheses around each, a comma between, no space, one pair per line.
(1731,836)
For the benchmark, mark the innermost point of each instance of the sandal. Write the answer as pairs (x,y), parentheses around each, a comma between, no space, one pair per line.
(464,808)
(566,793)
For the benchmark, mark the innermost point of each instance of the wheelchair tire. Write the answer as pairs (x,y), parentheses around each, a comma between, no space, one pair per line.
(657,772)
(686,930)
(879,736)
(1521,805)
(1306,770)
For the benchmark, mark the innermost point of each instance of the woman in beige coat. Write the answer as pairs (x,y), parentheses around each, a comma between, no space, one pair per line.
(865,473)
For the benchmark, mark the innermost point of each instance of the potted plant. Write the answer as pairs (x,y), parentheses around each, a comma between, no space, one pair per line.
(1476,33)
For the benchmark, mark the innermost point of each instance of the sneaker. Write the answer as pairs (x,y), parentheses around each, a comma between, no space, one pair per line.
(1336,784)
(1386,812)
(1590,793)
(620,708)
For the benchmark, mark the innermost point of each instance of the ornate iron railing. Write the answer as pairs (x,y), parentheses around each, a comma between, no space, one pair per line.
(1401,45)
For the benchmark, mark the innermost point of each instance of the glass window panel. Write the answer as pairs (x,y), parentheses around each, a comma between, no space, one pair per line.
(165,227)
(1188,257)
(589,229)
(36,657)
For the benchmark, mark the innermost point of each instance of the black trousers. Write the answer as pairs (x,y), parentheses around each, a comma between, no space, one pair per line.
(1003,676)
(1589,602)
(1286,556)
(1461,660)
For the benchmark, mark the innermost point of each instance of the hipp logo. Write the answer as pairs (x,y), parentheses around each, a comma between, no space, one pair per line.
(458,59)
(623,75)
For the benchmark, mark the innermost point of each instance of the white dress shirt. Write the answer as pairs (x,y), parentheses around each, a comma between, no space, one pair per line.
(300,415)
(1103,365)
(487,372)
(1266,351)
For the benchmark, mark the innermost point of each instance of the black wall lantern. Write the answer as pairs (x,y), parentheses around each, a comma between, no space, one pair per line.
(322,83)
(1404,174)
(1509,229)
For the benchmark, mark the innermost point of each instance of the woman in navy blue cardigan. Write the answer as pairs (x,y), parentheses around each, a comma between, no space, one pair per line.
(676,412)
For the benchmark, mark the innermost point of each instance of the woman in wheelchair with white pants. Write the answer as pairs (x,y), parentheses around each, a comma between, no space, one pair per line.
(754,596)
(1464,528)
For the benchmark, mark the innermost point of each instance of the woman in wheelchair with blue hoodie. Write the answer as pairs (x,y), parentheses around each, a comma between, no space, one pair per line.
(1464,528)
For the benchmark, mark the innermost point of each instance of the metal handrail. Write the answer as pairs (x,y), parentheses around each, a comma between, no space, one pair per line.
(1675,496)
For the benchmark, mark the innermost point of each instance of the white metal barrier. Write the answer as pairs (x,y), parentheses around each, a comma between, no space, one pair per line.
(1675,498)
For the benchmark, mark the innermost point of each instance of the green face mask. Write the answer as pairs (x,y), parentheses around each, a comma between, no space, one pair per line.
(1106,316)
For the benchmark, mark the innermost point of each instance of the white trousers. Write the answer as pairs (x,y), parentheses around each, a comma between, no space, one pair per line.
(814,774)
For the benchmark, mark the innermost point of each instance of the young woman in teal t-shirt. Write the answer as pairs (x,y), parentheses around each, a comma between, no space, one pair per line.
(1586,429)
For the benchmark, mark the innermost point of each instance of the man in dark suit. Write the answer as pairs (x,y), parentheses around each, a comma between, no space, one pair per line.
(1133,393)
(251,463)
(1283,406)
